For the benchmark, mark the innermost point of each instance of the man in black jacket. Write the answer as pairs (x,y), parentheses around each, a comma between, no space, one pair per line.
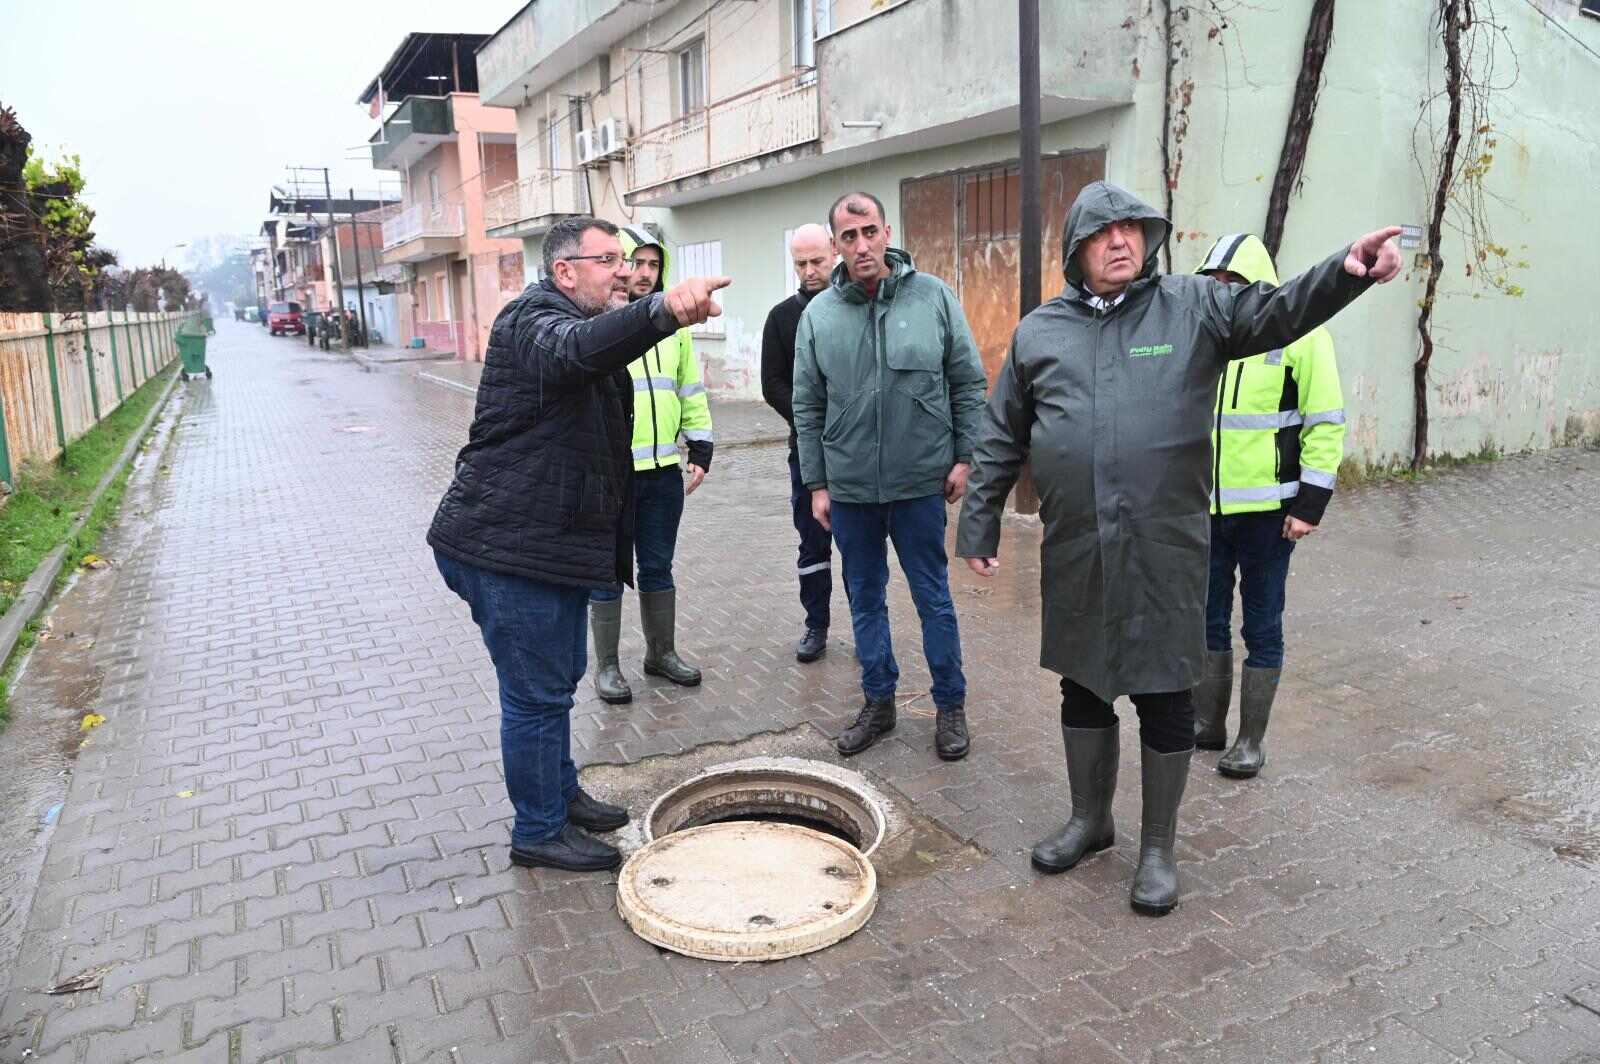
(539,514)
(812,250)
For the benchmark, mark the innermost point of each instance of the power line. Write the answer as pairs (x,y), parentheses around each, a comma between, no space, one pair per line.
(1576,39)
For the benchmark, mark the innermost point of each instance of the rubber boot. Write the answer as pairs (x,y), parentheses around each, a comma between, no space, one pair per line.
(1211,696)
(1092,775)
(605,621)
(1257,688)
(658,610)
(1155,883)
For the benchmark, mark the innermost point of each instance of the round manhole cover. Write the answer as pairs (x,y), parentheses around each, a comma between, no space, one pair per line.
(746,891)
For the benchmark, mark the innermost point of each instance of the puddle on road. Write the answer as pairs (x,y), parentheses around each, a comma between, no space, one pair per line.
(1560,813)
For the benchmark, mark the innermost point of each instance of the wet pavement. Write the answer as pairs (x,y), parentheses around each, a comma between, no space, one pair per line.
(288,842)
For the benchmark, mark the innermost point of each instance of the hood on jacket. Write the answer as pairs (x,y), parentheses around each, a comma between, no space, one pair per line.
(1097,206)
(634,237)
(900,267)
(1243,254)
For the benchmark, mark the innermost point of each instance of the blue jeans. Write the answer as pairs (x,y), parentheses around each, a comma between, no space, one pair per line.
(535,635)
(816,552)
(916,526)
(1254,545)
(658,509)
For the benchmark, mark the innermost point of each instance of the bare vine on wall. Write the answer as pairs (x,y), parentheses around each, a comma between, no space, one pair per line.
(1302,112)
(1455,157)
(1179,19)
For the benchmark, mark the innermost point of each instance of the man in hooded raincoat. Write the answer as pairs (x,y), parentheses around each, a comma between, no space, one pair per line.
(1109,392)
(1277,441)
(669,402)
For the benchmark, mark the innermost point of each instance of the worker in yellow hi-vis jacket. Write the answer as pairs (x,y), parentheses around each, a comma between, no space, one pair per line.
(1276,448)
(669,404)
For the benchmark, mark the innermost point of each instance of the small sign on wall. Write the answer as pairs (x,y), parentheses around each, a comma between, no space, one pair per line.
(1410,237)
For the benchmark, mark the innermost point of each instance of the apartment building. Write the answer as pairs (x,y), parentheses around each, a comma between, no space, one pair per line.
(448,149)
(727,123)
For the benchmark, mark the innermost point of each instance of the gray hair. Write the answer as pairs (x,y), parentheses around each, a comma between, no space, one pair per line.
(565,238)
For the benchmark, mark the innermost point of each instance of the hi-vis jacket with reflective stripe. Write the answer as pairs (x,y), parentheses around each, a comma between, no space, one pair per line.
(669,397)
(1279,434)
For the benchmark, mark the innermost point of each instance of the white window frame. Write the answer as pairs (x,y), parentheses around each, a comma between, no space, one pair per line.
(701,260)
(804,14)
(697,49)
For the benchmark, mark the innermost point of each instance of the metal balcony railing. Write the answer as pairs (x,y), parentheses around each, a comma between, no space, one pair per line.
(539,195)
(771,117)
(423,220)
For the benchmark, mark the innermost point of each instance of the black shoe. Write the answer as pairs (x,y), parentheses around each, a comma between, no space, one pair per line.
(950,739)
(812,647)
(1256,691)
(591,814)
(875,720)
(571,851)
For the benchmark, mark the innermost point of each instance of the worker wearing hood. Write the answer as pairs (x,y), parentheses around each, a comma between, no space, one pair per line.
(1108,391)
(669,405)
(1277,440)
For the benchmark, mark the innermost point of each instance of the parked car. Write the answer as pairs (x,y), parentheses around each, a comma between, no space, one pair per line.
(285,318)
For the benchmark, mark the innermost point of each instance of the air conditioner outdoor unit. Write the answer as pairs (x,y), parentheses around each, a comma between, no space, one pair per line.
(586,147)
(611,136)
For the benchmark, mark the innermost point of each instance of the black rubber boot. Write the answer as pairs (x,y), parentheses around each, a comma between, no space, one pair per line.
(1092,755)
(812,647)
(571,851)
(591,814)
(658,611)
(1211,696)
(950,739)
(605,622)
(875,720)
(1257,688)
(1155,883)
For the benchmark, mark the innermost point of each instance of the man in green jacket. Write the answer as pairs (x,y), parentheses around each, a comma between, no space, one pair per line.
(669,402)
(1276,447)
(888,388)
(1109,391)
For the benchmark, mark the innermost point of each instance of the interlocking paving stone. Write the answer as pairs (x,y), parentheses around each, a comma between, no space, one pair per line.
(289,840)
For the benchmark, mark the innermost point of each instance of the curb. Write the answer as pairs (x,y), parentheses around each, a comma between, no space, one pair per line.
(36,591)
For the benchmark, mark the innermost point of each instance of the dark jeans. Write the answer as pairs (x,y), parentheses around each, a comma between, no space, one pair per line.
(1254,545)
(816,551)
(916,526)
(658,509)
(535,635)
(1166,720)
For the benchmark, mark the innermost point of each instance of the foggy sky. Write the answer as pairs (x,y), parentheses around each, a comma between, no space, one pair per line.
(185,112)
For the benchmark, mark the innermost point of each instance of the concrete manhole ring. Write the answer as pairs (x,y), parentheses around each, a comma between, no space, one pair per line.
(811,794)
(754,860)
(746,891)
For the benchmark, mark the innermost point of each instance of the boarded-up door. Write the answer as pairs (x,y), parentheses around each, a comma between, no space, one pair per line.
(966,229)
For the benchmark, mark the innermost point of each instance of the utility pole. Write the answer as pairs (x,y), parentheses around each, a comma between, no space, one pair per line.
(1028,113)
(338,278)
(361,294)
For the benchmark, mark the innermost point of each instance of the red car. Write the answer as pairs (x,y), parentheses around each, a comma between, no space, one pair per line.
(285,318)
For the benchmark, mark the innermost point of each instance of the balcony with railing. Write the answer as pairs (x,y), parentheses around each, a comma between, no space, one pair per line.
(532,204)
(423,231)
(757,122)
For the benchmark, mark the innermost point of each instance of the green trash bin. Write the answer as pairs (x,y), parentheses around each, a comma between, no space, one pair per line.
(193,349)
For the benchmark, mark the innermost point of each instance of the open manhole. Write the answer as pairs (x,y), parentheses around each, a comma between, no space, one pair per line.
(755,860)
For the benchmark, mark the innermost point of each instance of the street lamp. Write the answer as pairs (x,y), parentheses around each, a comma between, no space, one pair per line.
(174,247)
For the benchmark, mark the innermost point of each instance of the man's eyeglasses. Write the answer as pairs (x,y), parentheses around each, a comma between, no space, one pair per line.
(611,261)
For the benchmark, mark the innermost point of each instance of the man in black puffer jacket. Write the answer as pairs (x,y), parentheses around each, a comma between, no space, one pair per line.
(539,513)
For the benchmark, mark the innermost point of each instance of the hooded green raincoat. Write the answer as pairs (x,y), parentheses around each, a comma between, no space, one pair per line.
(1113,404)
